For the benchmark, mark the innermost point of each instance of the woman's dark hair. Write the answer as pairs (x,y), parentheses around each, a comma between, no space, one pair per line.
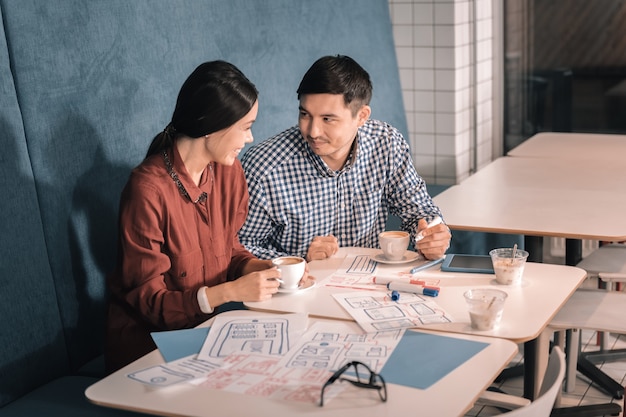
(338,74)
(215,96)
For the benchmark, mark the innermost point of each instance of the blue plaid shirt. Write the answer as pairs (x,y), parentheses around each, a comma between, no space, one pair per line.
(294,196)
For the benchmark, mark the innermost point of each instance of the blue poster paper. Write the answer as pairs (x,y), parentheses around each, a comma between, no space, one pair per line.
(422,359)
(176,344)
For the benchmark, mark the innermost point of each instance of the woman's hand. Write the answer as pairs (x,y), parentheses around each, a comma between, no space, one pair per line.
(256,286)
(259,283)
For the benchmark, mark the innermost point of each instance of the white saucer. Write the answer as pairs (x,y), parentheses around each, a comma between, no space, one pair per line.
(310,284)
(409,256)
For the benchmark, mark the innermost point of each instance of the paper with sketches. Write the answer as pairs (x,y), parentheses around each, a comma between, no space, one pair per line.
(269,356)
(264,335)
(300,374)
(375,311)
(363,272)
(186,369)
(267,334)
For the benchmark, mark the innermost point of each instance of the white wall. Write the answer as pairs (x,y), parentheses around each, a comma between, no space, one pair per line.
(445,55)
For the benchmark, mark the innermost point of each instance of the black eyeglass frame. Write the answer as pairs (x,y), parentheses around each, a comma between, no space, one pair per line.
(361,383)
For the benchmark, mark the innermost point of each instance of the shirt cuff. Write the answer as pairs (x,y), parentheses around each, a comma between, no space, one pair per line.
(203,301)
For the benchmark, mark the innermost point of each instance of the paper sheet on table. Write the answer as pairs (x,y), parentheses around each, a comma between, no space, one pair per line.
(435,356)
(300,373)
(187,369)
(361,271)
(375,311)
(265,334)
(177,344)
(329,345)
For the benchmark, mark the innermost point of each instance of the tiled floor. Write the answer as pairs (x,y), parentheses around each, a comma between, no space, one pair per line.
(586,392)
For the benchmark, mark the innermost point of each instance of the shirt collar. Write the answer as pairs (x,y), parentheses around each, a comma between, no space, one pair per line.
(196,194)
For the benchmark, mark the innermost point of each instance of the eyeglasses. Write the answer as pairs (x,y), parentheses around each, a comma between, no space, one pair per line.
(370,380)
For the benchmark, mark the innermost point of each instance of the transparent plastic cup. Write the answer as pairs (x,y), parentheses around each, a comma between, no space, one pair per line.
(485,307)
(508,270)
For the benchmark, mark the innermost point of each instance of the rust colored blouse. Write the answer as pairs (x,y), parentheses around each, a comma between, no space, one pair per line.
(174,238)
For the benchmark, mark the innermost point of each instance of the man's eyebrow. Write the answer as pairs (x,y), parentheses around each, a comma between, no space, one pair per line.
(323,115)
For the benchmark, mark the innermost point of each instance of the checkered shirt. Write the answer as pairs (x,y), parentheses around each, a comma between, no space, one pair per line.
(294,196)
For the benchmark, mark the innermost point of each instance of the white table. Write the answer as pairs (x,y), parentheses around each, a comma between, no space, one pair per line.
(581,146)
(539,197)
(450,396)
(559,175)
(546,189)
(528,310)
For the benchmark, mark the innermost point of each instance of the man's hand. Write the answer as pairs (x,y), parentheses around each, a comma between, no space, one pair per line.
(322,247)
(436,239)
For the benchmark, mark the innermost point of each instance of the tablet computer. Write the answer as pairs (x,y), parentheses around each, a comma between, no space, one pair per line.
(478,264)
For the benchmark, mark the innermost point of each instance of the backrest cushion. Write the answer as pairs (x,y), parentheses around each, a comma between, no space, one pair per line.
(32,346)
(97,80)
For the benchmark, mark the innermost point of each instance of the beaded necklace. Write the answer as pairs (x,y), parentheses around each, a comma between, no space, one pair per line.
(179,184)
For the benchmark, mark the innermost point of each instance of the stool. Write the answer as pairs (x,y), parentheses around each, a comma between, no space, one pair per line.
(591,310)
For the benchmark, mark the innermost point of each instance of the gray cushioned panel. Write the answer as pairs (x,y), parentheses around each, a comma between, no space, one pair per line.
(97,80)
(32,347)
(64,397)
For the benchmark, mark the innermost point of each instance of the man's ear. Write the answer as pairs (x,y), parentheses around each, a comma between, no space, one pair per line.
(363,114)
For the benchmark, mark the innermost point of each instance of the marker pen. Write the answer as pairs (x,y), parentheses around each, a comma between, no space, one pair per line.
(407,286)
(426,265)
(415,289)
(434,222)
(387,280)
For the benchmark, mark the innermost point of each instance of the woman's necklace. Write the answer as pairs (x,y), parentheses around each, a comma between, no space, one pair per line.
(179,184)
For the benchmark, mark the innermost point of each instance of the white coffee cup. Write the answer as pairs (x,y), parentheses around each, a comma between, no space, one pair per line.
(291,270)
(394,244)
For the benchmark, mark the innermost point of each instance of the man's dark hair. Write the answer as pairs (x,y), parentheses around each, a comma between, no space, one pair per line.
(338,74)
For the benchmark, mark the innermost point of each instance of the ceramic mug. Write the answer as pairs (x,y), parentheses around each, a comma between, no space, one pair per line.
(394,244)
(291,270)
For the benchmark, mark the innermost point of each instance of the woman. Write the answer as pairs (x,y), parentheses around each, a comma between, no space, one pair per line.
(179,256)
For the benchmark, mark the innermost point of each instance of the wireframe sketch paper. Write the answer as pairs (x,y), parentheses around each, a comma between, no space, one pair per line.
(186,369)
(265,334)
(285,364)
(301,372)
(376,311)
(363,272)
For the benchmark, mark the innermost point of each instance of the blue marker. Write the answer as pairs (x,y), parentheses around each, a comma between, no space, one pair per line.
(395,295)
(426,265)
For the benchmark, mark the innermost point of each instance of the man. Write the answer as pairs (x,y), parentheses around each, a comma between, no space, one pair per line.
(333,180)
